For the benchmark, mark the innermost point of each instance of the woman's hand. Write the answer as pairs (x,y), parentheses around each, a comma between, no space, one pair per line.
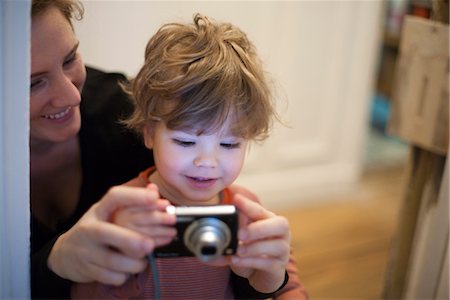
(95,249)
(264,246)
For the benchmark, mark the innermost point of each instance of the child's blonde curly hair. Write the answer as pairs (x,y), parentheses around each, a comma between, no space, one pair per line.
(196,76)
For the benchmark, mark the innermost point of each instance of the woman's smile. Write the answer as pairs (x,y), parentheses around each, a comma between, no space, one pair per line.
(57,115)
(60,116)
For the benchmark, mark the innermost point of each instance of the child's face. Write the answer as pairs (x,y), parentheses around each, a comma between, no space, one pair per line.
(192,169)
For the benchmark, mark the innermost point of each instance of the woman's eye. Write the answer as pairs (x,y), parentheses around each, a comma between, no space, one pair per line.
(35,84)
(183,143)
(230,145)
(69,61)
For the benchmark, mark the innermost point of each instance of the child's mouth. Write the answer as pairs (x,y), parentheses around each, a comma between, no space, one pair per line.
(201,182)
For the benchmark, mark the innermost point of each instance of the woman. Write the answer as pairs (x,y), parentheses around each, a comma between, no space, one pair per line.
(77,152)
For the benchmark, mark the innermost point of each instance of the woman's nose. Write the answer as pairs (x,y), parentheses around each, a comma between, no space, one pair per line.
(66,92)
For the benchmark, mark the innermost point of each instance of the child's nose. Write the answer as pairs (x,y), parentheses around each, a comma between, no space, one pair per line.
(205,160)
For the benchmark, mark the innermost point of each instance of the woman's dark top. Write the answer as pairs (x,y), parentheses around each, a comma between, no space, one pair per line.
(110,155)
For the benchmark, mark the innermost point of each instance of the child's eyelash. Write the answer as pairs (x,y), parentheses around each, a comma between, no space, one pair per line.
(230,145)
(183,143)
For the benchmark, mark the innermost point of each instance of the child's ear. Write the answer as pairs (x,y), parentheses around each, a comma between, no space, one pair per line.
(148,136)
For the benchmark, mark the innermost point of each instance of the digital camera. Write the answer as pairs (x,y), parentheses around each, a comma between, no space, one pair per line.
(207,232)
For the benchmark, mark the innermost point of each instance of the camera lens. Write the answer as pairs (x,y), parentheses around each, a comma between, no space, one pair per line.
(207,238)
(209,250)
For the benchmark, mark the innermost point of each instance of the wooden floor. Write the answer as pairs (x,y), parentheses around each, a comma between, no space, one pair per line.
(342,246)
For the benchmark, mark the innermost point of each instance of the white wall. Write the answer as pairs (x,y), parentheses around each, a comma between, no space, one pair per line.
(322,55)
(14,155)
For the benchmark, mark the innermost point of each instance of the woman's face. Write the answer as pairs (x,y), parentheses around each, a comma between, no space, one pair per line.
(57,77)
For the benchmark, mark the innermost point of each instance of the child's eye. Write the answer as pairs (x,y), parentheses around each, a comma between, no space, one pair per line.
(230,145)
(183,143)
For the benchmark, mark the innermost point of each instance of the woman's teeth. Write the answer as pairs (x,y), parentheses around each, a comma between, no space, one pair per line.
(58,115)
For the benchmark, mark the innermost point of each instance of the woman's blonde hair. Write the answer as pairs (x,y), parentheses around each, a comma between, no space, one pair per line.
(196,76)
(71,9)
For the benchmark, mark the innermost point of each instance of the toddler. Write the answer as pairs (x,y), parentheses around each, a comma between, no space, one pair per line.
(200,99)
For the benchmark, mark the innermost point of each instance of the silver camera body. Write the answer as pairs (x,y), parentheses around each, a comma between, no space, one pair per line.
(207,232)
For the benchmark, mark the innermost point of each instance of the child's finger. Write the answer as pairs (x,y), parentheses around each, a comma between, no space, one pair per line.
(251,209)
(276,248)
(274,227)
(144,217)
(258,263)
(161,241)
(123,239)
(153,187)
(157,231)
(159,204)
(123,196)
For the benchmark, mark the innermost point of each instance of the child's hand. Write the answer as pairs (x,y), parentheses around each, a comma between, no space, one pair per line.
(264,247)
(151,220)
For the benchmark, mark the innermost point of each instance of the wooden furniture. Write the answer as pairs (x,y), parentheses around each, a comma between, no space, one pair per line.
(418,267)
